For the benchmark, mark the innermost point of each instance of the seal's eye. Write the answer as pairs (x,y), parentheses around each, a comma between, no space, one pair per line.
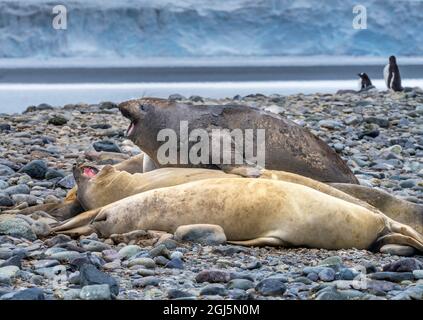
(142,107)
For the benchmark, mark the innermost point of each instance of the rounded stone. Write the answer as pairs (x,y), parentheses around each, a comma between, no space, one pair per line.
(35,169)
(95,292)
(206,234)
(271,287)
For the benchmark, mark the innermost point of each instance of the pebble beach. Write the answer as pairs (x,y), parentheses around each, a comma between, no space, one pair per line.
(378,133)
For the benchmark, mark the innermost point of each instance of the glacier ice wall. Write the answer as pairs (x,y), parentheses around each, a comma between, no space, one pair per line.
(198,28)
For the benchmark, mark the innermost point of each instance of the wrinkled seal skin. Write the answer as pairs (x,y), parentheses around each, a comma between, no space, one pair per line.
(289,147)
(253,212)
(400,210)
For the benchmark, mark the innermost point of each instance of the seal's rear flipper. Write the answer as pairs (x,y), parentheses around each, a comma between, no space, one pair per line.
(261,242)
(399,239)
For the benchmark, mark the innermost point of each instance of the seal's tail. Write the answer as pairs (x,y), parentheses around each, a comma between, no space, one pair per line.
(401,234)
(400,239)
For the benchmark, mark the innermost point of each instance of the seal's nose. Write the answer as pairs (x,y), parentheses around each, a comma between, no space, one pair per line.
(130,110)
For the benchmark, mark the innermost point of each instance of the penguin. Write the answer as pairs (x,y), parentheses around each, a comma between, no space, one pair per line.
(392,75)
(364,83)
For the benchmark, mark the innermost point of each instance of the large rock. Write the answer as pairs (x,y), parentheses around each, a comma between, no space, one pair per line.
(6,201)
(206,234)
(6,171)
(397,250)
(18,189)
(90,275)
(146,281)
(67,182)
(392,276)
(95,292)
(8,274)
(129,251)
(3,184)
(53,174)
(271,287)
(35,169)
(213,276)
(381,122)
(214,290)
(15,227)
(107,146)
(21,198)
(5,127)
(15,260)
(404,265)
(27,294)
(58,120)
(41,229)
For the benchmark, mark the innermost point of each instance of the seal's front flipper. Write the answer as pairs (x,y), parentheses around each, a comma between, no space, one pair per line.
(247,172)
(261,242)
(232,159)
(80,231)
(79,221)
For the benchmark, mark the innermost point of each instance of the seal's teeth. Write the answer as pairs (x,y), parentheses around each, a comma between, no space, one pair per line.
(130,129)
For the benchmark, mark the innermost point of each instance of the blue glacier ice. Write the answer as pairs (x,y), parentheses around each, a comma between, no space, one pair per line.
(209,28)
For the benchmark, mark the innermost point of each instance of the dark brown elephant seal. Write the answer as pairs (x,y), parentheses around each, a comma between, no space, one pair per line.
(288,146)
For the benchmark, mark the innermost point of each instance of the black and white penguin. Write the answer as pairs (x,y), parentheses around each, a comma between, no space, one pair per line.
(392,75)
(364,83)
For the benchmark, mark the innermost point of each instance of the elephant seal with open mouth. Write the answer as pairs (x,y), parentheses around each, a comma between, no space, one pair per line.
(98,188)
(256,212)
(288,146)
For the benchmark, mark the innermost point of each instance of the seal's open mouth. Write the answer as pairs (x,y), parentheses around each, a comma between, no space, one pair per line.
(130,129)
(90,172)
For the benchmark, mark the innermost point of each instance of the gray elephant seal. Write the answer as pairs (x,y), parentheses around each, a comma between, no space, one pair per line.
(253,212)
(289,147)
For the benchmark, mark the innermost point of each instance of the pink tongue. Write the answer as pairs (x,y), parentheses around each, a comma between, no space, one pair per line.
(89,172)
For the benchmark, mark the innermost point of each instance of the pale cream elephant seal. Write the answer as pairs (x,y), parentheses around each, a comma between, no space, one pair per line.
(98,188)
(254,212)
(71,207)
